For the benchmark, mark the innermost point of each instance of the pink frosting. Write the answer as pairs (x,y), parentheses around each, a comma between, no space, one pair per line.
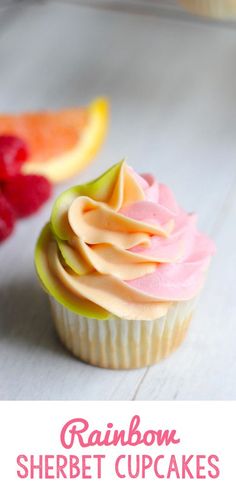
(192,250)
(123,245)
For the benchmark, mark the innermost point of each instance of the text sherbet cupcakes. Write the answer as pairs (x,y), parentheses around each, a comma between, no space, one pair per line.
(123,265)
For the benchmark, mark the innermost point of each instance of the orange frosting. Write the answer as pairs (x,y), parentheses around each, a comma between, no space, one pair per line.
(113,241)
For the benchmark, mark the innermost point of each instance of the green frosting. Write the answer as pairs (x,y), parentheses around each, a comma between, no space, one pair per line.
(100,190)
(58,231)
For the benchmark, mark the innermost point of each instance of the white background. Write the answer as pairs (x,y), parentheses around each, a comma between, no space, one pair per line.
(204,428)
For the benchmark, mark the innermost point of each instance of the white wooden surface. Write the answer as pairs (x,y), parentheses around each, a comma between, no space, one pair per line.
(172,88)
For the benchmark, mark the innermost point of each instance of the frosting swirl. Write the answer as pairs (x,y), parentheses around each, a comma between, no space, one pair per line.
(122,246)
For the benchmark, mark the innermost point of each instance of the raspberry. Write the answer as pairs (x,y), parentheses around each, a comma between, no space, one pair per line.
(26,193)
(13,153)
(7,218)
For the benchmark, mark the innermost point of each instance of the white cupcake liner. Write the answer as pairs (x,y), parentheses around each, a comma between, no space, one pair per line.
(122,344)
(211,8)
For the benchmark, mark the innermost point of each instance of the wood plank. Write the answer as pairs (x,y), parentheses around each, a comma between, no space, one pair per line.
(172,89)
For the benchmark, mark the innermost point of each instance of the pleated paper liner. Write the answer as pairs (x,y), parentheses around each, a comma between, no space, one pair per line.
(122,344)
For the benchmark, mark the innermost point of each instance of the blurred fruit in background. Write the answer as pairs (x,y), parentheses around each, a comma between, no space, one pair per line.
(21,195)
(26,193)
(60,143)
(221,9)
(7,218)
(13,153)
(39,148)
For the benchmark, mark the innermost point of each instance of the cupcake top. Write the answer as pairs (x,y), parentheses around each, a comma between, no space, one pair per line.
(121,245)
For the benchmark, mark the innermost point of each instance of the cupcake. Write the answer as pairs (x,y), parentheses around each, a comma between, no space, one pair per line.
(123,265)
(211,8)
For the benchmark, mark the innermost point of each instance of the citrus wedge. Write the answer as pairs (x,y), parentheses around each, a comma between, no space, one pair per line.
(60,143)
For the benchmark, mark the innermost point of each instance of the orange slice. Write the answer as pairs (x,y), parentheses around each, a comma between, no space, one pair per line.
(61,143)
